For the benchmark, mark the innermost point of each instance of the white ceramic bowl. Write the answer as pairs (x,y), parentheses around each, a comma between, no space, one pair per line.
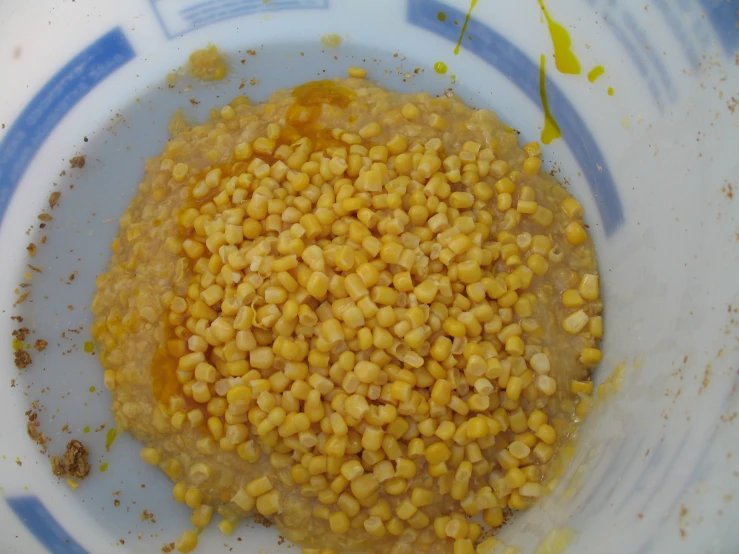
(655,165)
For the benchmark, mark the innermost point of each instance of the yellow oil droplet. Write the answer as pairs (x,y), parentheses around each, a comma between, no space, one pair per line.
(17,344)
(86,429)
(92,388)
(441,16)
(104,467)
(596,72)
(564,57)
(551,129)
(464,27)
(611,92)
(440,68)
(330,40)
(110,438)
(89,346)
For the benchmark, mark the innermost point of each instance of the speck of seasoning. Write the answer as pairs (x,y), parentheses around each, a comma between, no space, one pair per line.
(104,467)
(86,429)
(89,346)
(22,359)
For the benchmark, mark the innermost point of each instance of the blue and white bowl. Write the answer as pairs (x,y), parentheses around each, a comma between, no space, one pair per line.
(655,164)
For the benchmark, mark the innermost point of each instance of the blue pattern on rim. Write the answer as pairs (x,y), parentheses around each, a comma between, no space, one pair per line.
(59,95)
(724,17)
(42,525)
(497,51)
(176,21)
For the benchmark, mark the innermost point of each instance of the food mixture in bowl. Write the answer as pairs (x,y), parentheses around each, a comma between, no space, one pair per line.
(366,316)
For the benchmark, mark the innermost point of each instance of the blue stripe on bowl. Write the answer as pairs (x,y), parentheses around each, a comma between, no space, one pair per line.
(42,525)
(194,15)
(524,73)
(724,17)
(59,95)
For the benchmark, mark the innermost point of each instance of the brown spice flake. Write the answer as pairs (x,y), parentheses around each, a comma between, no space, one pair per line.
(34,268)
(22,359)
(31,249)
(78,161)
(22,298)
(40,345)
(44,217)
(34,431)
(261,520)
(167,548)
(54,199)
(74,461)
(21,333)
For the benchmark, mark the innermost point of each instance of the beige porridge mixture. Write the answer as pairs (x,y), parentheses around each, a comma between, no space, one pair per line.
(366,316)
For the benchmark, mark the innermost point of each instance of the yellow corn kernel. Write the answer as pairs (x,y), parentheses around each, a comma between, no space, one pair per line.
(437,453)
(547,434)
(589,288)
(575,322)
(596,327)
(590,356)
(364,486)
(571,299)
(339,522)
(357,72)
(581,387)
(463,546)
(575,233)
(259,486)
(187,541)
(572,208)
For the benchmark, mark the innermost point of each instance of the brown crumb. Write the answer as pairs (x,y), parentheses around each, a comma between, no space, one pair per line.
(194,102)
(31,249)
(34,431)
(54,199)
(44,217)
(78,161)
(21,333)
(18,461)
(22,359)
(251,52)
(74,461)
(40,345)
(261,520)
(116,502)
(168,548)
(22,298)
